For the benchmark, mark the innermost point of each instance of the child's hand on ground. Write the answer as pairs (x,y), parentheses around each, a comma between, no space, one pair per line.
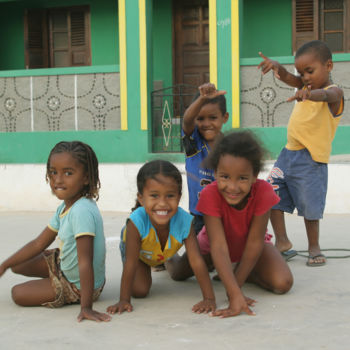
(206,305)
(209,91)
(249,301)
(90,314)
(266,65)
(120,307)
(236,307)
(301,95)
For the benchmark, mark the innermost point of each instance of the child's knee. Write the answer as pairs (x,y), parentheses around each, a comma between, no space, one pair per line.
(175,272)
(283,286)
(140,293)
(17,295)
(177,275)
(178,269)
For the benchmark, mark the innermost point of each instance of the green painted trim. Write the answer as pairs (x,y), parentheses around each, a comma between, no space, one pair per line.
(341,57)
(224,57)
(117,146)
(123,64)
(150,56)
(275,139)
(235,49)
(213,43)
(133,66)
(113,146)
(254,61)
(341,144)
(60,71)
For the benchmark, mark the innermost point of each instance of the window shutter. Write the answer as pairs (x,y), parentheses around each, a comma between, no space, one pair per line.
(35,39)
(305,22)
(80,38)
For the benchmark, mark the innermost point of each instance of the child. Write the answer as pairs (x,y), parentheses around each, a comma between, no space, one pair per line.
(202,124)
(75,272)
(300,173)
(236,209)
(155,231)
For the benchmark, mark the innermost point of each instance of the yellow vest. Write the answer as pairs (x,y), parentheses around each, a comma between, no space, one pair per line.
(312,126)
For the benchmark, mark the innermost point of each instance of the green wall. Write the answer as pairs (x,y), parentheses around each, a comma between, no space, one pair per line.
(104,30)
(224,57)
(11,21)
(162,42)
(116,147)
(267,27)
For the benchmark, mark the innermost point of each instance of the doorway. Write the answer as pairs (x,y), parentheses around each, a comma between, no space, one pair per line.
(191,42)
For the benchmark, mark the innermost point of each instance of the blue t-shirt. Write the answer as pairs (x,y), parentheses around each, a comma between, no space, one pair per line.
(196,149)
(151,252)
(81,219)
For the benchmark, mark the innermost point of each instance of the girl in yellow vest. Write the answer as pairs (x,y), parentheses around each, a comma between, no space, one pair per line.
(156,229)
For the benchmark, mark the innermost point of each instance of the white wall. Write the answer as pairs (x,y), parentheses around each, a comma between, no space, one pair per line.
(23,187)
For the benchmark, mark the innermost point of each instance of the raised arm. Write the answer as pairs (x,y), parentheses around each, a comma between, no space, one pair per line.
(253,247)
(201,272)
(133,245)
(222,262)
(30,250)
(206,92)
(279,71)
(85,248)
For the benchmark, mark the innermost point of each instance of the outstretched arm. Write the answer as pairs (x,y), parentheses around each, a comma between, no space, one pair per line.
(200,270)
(279,71)
(206,92)
(253,247)
(133,245)
(222,262)
(86,272)
(30,250)
(332,95)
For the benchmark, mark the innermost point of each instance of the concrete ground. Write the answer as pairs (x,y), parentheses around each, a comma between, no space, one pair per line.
(313,315)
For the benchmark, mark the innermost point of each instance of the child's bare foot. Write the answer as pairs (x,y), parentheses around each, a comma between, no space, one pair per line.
(283,245)
(316,258)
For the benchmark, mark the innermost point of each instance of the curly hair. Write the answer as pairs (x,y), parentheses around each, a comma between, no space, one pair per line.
(243,144)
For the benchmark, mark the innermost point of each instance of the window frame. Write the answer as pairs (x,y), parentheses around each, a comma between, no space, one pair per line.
(316,33)
(31,47)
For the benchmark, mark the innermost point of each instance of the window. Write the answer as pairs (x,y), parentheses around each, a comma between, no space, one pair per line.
(327,20)
(57,37)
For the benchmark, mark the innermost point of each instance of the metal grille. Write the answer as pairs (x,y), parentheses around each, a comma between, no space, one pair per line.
(168,107)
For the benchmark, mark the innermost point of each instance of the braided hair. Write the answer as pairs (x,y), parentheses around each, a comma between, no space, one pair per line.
(85,155)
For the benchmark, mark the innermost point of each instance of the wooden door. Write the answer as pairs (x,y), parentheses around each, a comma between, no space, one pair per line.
(191,42)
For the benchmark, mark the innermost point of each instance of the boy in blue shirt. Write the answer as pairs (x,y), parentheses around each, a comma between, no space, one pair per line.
(202,123)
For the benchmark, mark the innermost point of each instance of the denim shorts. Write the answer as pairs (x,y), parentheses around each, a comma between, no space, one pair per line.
(301,183)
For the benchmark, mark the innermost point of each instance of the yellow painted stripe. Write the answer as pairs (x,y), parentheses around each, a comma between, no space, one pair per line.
(122,62)
(143,64)
(213,48)
(235,63)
